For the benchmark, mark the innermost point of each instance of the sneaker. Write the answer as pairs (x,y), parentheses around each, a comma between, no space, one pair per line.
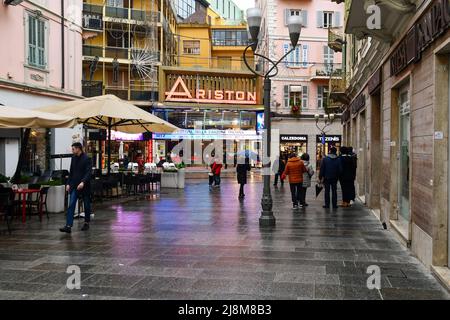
(85,227)
(295,206)
(66,229)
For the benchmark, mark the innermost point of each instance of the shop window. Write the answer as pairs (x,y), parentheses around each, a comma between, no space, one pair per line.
(191,47)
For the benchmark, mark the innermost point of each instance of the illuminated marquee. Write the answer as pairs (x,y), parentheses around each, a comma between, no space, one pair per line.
(208,96)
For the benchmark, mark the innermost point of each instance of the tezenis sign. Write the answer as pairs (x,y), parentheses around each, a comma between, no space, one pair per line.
(208,96)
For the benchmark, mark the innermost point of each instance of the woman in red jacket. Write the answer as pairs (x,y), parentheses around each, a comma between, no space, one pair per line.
(216,170)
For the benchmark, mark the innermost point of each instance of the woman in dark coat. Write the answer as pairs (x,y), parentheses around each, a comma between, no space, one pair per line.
(347,177)
(242,169)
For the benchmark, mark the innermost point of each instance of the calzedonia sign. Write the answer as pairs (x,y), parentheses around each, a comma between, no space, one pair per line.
(181,93)
(293,138)
(426,30)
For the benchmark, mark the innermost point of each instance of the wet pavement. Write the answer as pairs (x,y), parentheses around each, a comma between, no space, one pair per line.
(197,244)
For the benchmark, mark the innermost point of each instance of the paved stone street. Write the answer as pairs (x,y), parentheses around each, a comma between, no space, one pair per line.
(194,244)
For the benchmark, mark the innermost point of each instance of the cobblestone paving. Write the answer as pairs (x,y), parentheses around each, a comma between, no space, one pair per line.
(197,244)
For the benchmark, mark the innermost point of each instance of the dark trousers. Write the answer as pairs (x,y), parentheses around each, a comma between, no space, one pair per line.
(296,192)
(72,204)
(241,190)
(278,175)
(348,190)
(303,195)
(330,186)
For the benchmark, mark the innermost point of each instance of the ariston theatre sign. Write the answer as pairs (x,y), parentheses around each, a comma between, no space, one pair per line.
(181,93)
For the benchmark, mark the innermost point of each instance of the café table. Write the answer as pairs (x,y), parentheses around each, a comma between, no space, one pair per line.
(23,198)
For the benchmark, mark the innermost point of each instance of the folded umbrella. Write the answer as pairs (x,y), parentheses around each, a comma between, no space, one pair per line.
(319,188)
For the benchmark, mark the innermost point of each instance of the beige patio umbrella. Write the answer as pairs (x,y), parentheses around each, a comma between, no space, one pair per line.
(111,113)
(13,118)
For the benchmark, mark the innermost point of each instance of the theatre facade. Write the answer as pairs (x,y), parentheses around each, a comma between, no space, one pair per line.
(209,105)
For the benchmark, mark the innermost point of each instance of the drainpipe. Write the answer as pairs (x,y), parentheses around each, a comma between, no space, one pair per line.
(63,63)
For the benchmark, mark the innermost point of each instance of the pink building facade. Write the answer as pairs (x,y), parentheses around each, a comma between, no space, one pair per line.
(303,79)
(40,64)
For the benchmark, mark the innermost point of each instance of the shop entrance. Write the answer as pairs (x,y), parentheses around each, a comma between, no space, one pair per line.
(293,144)
(323,146)
(404,158)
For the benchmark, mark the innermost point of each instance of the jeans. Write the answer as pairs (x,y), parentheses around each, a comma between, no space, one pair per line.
(72,204)
(278,175)
(330,186)
(217,179)
(296,193)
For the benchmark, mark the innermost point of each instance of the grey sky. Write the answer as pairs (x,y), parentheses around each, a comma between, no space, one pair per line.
(245,4)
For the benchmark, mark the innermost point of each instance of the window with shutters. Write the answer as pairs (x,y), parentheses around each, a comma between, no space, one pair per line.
(296,12)
(191,47)
(295,95)
(327,19)
(305,97)
(322,97)
(37,44)
(297,58)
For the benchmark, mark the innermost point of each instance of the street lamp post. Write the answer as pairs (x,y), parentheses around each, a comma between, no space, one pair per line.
(329,119)
(254,18)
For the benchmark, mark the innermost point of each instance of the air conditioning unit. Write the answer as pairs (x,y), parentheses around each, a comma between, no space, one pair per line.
(13,2)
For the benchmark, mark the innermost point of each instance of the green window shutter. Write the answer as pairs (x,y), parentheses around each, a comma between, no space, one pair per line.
(304,15)
(286,96)
(319,19)
(305,97)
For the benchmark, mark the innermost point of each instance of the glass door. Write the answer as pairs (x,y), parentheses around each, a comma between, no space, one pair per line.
(404,165)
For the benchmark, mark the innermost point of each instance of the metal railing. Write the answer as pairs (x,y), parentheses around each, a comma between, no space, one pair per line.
(92,9)
(141,15)
(92,88)
(116,12)
(92,51)
(230,42)
(121,93)
(327,69)
(119,53)
(92,21)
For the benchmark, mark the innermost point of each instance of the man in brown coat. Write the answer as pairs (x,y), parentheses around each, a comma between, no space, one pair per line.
(295,168)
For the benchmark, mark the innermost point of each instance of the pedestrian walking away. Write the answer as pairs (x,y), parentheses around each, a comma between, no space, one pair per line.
(347,177)
(306,178)
(330,170)
(242,169)
(278,168)
(79,185)
(295,168)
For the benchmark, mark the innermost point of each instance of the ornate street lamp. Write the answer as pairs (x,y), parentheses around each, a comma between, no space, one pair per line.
(254,18)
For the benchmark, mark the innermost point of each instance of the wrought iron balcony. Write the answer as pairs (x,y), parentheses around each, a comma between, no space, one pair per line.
(92,51)
(116,12)
(336,40)
(92,88)
(337,90)
(325,70)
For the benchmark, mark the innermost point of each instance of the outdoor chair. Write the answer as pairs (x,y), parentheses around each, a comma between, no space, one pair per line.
(96,190)
(40,203)
(6,205)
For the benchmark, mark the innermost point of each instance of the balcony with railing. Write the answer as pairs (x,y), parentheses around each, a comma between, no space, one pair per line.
(116,12)
(92,17)
(92,51)
(116,52)
(337,90)
(92,88)
(336,39)
(323,71)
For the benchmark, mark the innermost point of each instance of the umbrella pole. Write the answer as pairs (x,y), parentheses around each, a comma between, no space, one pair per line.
(109,146)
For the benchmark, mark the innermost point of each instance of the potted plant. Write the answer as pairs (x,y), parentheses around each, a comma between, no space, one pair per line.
(295,106)
(4,180)
(56,195)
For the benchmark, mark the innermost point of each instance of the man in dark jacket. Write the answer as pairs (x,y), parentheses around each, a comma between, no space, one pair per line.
(79,184)
(330,171)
